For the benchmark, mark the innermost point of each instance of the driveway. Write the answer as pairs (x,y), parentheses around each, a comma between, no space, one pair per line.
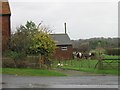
(12,81)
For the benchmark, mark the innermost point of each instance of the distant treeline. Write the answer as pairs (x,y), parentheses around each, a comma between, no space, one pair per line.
(94,43)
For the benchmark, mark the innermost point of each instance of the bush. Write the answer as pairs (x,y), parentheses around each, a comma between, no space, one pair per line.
(19,60)
(15,55)
(7,62)
(28,62)
(113,51)
(22,64)
(16,58)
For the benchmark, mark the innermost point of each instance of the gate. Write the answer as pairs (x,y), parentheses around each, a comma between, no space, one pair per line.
(108,63)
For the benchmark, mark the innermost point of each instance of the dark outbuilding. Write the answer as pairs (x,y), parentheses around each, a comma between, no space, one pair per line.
(64,46)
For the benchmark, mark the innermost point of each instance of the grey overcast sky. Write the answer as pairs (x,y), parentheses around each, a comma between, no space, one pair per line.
(84,20)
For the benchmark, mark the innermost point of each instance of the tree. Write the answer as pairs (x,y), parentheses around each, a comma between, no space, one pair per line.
(42,44)
(21,39)
(84,47)
(32,39)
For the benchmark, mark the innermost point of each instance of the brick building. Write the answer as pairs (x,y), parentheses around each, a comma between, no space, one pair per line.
(5,23)
(64,46)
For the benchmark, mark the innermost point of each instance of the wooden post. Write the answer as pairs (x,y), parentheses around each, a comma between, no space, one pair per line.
(100,63)
(40,61)
(79,64)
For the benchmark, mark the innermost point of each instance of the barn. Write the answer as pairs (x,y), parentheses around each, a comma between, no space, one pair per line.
(64,46)
(5,23)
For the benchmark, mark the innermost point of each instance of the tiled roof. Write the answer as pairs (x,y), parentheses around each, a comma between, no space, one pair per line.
(4,7)
(61,39)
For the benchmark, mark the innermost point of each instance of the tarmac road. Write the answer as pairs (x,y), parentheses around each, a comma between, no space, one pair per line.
(12,81)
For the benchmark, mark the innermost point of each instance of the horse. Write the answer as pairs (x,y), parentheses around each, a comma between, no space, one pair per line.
(89,55)
(79,55)
(92,55)
(85,55)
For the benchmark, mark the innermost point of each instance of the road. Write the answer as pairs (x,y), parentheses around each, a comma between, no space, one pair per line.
(12,81)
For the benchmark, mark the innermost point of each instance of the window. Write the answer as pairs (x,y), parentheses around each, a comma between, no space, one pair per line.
(63,48)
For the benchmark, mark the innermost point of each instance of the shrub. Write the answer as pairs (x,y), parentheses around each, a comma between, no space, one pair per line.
(7,62)
(22,64)
(113,51)
(13,59)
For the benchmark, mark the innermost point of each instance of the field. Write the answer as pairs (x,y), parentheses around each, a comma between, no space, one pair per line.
(108,66)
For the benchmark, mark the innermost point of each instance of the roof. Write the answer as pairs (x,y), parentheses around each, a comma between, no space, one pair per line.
(4,7)
(61,39)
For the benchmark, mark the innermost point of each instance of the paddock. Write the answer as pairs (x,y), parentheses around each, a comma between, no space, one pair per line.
(111,63)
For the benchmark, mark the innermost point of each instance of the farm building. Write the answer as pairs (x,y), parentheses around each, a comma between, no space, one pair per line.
(5,23)
(64,46)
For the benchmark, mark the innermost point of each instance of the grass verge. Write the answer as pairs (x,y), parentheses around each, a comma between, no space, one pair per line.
(30,72)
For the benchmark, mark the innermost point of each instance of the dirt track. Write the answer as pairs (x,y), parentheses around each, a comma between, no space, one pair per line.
(79,73)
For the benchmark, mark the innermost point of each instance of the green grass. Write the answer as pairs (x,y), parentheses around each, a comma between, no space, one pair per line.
(77,63)
(111,57)
(0,70)
(109,66)
(89,67)
(31,72)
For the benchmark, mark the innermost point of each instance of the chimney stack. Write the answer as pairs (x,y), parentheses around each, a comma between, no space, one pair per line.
(65,28)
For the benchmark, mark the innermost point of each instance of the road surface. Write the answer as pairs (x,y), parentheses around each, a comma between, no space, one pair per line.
(12,81)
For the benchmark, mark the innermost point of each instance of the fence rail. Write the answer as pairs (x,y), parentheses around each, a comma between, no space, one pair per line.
(111,59)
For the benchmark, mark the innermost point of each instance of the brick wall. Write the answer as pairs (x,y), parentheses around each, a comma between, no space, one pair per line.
(63,54)
(5,23)
(5,20)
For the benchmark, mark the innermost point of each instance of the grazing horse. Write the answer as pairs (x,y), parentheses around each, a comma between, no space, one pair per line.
(82,55)
(85,55)
(79,55)
(92,55)
(89,55)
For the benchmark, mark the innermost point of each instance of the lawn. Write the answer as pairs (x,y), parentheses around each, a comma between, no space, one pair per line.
(31,72)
